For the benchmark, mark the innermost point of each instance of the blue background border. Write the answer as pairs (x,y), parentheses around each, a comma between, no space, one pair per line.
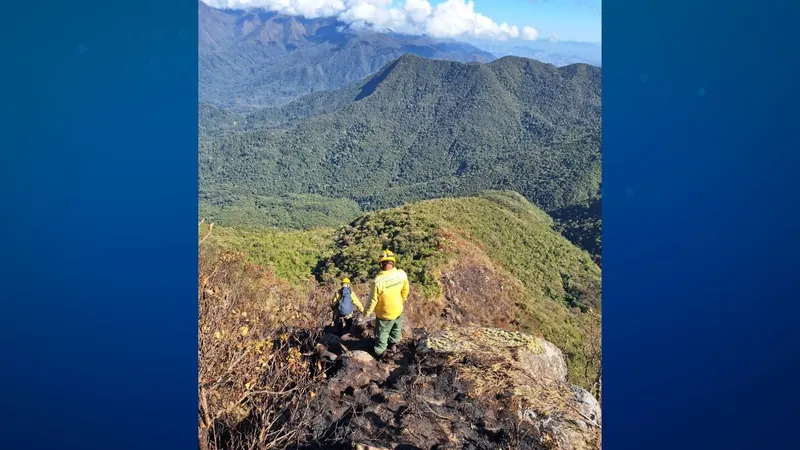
(99,225)
(700,224)
(99,181)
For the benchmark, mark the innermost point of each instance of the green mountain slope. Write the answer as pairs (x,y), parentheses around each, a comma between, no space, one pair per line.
(419,129)
(294,211)
(251,58)
(491,260)
(582,225)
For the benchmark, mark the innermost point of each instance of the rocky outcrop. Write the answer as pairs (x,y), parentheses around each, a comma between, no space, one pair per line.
(538,358)
(478,388)
(531,374)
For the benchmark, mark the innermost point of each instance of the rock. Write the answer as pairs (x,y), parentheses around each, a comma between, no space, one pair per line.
(361,327)
(323,353)
(358,357)
(374,389)
(528,371)
(359,369)
(547,363)
(587,405)
(368,447)
(539,358)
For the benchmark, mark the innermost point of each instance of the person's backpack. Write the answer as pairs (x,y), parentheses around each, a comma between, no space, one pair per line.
(346,303)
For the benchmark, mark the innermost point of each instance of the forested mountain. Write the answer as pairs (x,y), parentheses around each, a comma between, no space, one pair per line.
(253,58)
(418,129)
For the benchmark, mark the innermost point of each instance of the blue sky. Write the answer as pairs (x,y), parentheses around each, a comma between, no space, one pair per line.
(570,20)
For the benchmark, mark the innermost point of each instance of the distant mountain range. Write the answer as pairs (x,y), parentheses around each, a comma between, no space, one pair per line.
(254,58)
(415,130)
(558,53)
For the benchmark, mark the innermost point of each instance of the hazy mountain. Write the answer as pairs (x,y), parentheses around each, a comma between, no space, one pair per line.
(558,53)
(252,58)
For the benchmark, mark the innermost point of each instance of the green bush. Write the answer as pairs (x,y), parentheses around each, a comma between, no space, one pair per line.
(292,254)
(415,240)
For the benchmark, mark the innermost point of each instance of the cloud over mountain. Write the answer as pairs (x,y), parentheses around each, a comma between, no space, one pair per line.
(450,19)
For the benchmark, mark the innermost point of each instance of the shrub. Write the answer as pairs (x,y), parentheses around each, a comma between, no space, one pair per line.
(254,377)
(415,240)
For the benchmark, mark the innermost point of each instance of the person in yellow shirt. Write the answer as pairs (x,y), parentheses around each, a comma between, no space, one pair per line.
(389,293)
(344,304)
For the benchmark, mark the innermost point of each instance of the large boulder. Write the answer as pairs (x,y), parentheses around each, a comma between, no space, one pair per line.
(529,374)
(537,357)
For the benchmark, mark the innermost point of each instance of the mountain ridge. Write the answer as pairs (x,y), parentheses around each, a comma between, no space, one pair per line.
(254,58)
(514,123)
(214,117)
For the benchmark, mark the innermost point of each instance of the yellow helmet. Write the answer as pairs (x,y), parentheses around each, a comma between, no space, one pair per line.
(387,255)
(346,281)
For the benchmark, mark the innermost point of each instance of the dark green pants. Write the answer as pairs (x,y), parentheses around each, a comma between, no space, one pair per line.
(343,325)
(387,332)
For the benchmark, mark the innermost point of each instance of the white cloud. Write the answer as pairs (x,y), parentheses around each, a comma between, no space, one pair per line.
(307,8)
(530,33)
(374,13)
(457,18)
(450,19)
(417,11)
(554,38)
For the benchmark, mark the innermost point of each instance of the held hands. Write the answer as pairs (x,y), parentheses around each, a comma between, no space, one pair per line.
(365,317)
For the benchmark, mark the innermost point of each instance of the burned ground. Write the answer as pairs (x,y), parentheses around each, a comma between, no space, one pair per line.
(423,397)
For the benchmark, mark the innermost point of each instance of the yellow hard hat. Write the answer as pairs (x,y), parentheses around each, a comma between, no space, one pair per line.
(387,255)
(346,281)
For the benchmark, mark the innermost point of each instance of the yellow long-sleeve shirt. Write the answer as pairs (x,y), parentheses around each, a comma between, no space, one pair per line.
(389,292)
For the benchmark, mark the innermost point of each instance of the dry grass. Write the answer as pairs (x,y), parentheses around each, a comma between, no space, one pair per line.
(255,374)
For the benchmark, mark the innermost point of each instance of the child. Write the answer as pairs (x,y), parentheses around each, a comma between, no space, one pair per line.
(344,304)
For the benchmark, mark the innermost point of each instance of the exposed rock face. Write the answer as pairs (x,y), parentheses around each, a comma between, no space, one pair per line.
(538,358)
(588,405)
(549,363)
(534,373)
(476,388)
